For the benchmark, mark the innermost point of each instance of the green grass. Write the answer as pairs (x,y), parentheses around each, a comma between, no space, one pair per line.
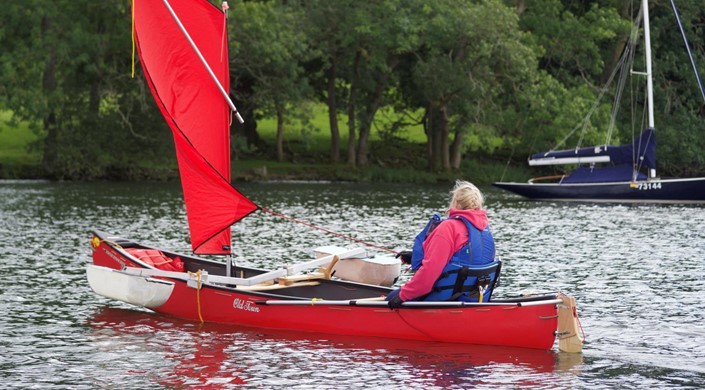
(317,136)
(14,142)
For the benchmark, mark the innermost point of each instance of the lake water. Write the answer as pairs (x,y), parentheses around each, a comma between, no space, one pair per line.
(637,272)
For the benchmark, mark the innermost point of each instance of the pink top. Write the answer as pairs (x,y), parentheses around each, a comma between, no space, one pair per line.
(438,248)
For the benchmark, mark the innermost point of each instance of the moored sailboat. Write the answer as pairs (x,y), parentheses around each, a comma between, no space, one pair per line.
(180,45)
(606,173)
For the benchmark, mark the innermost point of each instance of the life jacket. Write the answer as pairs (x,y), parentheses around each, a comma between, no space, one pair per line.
(417,251)
(157,259)
(472,271)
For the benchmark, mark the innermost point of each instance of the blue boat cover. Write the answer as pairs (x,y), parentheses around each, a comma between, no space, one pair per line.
(602,175)
(642,152)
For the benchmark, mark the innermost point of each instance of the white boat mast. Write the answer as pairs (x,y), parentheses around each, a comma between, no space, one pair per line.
(649,79)
(649,73)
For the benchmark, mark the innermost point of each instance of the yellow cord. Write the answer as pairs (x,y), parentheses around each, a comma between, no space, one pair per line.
(198,292)
(133,39)
(313,300)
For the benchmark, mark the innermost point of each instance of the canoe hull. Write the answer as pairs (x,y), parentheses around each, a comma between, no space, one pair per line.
(530,326)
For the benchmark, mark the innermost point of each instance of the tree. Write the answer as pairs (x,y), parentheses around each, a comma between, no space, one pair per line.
(327,25)
(68,69)
(392,31)
(472,62)
(271,49)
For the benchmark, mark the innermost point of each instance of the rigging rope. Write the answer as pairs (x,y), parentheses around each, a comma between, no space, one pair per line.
(266,210)
(625,61)
(687,46)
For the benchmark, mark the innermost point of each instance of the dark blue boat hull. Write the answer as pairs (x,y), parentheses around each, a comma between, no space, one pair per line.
(648,191)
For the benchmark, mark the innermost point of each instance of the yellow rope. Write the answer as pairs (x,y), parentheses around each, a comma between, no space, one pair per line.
(198,292)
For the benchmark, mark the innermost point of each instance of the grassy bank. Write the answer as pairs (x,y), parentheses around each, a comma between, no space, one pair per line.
(17,159)
(398,158)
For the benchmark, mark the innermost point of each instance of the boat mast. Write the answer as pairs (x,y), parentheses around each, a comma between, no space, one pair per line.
(649,73)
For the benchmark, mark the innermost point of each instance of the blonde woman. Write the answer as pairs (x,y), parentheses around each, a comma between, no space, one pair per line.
(447,250)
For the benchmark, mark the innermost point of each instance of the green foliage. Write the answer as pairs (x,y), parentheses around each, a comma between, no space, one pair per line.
(577,42)
(513,76)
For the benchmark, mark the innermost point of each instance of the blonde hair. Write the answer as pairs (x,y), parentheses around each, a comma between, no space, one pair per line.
(465,196)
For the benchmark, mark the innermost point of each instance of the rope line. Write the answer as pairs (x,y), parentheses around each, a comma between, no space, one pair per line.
(198,292)
(266,210)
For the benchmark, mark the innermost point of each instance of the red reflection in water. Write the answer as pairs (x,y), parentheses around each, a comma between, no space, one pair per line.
(211,355)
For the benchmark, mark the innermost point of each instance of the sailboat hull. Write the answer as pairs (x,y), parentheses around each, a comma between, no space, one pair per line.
(346,308)
(690,190)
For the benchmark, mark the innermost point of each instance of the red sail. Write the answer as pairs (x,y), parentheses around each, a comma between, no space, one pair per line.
(195,109)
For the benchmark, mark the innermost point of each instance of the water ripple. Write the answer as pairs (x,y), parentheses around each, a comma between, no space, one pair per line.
(638,273)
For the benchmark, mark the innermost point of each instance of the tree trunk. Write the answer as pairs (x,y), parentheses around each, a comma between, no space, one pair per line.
(435,139)
(456,149)
(374,104)
(50,123)
(333,114)
(444,133)
(520,6)
(244,104)
(429,139)
(280,134)
(366,125)
(351,109)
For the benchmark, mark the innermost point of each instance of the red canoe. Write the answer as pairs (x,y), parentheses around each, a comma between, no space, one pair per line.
(314,303)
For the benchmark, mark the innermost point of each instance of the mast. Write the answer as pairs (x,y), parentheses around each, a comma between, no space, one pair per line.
(649,73)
